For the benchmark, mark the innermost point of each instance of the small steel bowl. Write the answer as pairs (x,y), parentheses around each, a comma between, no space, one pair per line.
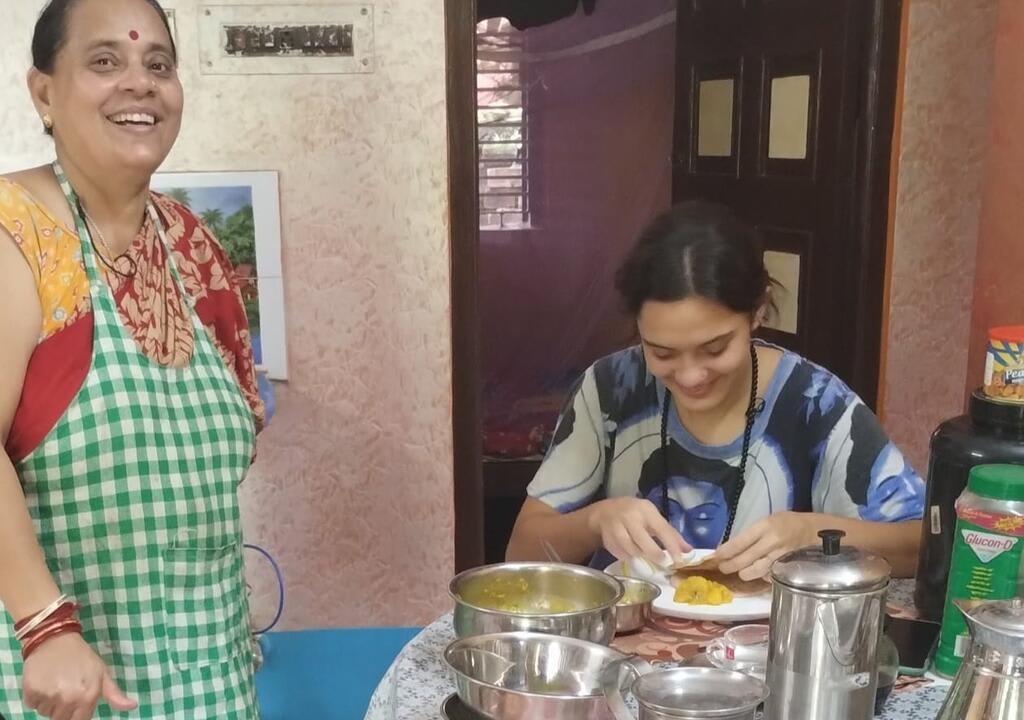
(683,693)
(454,709)
(634,609)
(554,598)
(531,675)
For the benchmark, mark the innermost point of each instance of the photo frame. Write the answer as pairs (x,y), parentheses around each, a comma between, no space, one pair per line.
(173,23)
(242,210)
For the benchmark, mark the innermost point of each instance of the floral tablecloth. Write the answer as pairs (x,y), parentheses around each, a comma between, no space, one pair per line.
(418,682)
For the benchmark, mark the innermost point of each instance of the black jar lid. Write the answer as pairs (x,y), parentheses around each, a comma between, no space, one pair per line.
(996,413)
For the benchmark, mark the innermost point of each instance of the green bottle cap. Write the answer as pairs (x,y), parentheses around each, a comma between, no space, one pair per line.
(1000,482)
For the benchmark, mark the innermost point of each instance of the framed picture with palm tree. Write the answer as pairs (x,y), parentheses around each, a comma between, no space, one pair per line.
(242,210)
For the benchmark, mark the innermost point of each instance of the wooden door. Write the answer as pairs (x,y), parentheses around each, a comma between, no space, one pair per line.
(778,115)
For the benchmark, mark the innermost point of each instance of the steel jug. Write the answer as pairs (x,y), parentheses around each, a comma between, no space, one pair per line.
(826,620)
(990,682)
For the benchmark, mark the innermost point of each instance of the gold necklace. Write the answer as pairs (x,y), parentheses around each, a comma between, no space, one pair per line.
(169,340)
(99,236)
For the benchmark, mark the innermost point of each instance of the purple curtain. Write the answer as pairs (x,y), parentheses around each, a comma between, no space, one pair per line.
(598,105)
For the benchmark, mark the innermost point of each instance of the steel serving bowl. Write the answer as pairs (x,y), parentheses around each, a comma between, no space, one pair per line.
(454,709)
(531,675)
(634,609)
(554,598)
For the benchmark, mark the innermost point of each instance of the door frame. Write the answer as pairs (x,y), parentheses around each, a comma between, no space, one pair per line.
(464,219)
(874,174)
(872,200)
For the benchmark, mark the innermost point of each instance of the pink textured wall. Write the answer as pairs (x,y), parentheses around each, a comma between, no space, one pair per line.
(943,144)
(997,288)
(352,488)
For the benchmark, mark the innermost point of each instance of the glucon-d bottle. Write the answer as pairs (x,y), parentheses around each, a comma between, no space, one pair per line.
(988,553)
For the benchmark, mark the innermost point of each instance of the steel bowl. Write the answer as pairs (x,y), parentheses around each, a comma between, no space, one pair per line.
(694,693)
(554,598)
(634,609)
(454,709)
(682,693)
(531,675)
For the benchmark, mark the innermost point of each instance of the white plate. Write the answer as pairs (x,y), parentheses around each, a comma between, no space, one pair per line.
(741,609)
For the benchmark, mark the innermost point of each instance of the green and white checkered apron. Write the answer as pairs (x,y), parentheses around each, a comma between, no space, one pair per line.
(133,496)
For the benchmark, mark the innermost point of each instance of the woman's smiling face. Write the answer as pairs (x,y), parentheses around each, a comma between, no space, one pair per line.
(697,348)
(113,94)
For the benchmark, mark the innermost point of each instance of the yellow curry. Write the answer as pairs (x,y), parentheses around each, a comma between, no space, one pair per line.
(515,595)
(697,590)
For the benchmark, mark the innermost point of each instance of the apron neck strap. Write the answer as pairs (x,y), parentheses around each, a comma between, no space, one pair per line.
(82,228)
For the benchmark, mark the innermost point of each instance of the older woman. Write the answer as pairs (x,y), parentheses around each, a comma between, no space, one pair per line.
(128,406)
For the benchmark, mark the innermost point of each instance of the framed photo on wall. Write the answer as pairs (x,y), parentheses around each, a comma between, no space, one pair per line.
(242,209)
(172,21)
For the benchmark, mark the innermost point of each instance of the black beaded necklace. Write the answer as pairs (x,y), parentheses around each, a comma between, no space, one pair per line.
(754,408)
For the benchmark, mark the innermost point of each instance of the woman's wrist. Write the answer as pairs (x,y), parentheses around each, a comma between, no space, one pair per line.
(59,609)
(592,518)
(59,617)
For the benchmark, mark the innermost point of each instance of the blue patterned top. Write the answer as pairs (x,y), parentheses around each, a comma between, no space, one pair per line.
(815,447)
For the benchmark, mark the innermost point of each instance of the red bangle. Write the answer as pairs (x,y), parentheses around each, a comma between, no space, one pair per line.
(59,618)
(50,632)
(63,611)
(51,628)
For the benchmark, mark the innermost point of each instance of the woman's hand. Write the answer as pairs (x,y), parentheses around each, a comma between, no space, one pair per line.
(64,680)
(752,552)
(633,527)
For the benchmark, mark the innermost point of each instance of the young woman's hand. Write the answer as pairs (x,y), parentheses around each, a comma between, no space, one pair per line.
(633,527)
(752,552)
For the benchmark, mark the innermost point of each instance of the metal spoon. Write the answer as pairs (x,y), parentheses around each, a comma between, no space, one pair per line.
(551,552)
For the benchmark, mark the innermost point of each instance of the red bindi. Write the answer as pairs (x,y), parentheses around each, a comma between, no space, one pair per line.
(133,35)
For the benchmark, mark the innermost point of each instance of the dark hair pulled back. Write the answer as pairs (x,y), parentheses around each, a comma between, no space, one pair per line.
(696,249)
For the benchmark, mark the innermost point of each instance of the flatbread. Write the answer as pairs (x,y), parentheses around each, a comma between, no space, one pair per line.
(737,586)
(708,562)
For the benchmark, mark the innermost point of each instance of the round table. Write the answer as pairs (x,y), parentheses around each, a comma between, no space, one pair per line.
(418,682)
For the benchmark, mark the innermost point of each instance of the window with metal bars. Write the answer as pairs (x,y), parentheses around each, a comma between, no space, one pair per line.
(502,127)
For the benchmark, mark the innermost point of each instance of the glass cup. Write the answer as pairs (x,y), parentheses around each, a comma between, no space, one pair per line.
(743,648)
(888,671)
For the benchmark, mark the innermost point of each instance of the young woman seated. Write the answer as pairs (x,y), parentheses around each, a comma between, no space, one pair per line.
(702,436)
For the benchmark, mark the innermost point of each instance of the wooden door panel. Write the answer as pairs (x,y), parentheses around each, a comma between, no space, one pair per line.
(789,241)
(702,76)
(782,69)
(789,184)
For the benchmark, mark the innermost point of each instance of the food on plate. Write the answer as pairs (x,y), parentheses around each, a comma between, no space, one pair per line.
(707,567)
(738,587)
(699,590)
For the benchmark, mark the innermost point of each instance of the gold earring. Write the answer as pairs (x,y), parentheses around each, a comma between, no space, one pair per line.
(47,122)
